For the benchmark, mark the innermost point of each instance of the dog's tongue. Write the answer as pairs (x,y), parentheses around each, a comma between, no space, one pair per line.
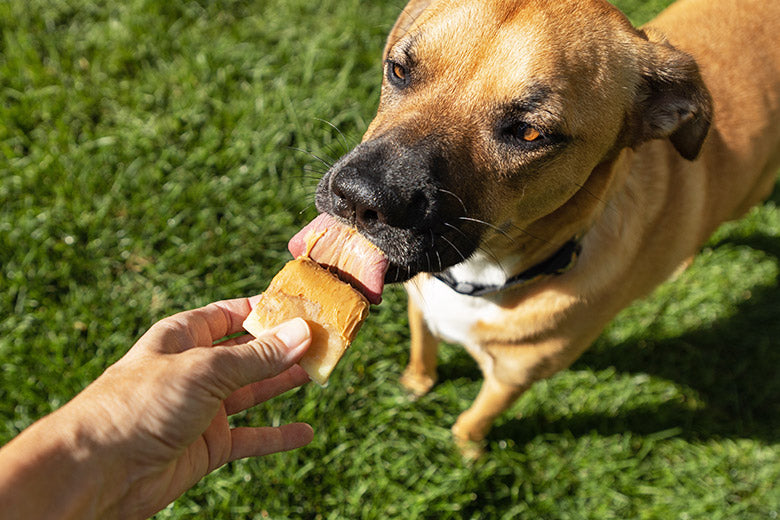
(343,249)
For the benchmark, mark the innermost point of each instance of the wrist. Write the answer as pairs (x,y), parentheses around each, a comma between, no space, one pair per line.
(58,468)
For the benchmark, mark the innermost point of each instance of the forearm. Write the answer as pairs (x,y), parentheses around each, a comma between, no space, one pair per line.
(55,469)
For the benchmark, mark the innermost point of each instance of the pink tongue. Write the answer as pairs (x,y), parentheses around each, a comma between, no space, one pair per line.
(336,246)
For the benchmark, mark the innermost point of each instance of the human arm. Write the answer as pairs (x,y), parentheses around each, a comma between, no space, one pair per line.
(156,421)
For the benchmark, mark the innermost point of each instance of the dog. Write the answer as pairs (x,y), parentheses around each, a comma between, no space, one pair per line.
(536,165)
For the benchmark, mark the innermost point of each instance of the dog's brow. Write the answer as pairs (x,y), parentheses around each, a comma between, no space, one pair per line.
(539,101)
(537,105)
(405,48)
(534,98)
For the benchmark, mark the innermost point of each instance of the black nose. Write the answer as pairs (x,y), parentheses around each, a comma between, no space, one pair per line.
(367,201)
(371,191)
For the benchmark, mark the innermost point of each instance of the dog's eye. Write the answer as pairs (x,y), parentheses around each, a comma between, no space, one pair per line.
(530,134)
(524,133)
(527,133)
(397,74)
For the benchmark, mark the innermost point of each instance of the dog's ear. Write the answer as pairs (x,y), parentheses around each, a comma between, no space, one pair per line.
(405,20)
(672,100)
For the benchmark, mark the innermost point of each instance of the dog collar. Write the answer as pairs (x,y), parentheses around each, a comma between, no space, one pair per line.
(560,262)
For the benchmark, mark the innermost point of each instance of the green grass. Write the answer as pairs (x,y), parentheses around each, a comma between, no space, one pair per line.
(147,166)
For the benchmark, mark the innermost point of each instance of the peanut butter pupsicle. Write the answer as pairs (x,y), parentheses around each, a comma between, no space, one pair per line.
(341,248)
(333,308)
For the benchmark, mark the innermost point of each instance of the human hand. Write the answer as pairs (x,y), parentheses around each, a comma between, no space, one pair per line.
(156,421)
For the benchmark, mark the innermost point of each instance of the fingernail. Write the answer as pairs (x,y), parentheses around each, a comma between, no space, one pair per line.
(293,333)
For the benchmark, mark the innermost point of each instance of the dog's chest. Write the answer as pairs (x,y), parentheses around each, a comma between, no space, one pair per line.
(449,315)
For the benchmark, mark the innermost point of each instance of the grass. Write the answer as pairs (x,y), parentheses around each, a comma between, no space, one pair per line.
(148,166)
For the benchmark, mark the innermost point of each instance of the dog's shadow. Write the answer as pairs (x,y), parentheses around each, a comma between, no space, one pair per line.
(729,364)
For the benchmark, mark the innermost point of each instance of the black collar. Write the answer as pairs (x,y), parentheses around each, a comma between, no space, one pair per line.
(560,262)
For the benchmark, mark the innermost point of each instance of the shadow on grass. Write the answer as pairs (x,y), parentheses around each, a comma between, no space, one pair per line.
(732,365)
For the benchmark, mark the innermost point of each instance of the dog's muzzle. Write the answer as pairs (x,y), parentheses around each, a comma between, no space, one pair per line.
(392,194)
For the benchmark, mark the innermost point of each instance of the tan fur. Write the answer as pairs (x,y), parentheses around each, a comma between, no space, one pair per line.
(642,210)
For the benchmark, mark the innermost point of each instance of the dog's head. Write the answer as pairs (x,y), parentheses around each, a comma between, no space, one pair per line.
(505,119)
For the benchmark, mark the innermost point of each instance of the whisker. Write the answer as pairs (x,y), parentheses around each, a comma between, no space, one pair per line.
(310,179)
(311,174)
(308,185)
(448,192)
(435,250)
(423,301)
(454,247)
(320,159)
(495,258)
(526,232)
(464,235)
(305,209)
(413,18)
(484,249)
(605,203)
(343,137)
(334,149)
(488,224)
(309,195)
(312,169)
(307,176)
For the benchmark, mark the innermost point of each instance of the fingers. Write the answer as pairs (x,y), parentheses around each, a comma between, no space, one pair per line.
(198,327)
(224,317)
(260,358)
(256,442)
(262,391)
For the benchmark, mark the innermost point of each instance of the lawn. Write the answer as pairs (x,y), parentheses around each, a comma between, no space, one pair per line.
(157,155)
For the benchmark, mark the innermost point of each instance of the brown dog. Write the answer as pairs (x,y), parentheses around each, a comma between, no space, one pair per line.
(551,163)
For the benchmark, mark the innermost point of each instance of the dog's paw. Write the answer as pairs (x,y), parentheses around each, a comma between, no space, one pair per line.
(417,384)
(469,449)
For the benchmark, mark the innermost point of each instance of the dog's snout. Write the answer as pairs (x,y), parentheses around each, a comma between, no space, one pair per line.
(381,185)
(353,200)
(370,200)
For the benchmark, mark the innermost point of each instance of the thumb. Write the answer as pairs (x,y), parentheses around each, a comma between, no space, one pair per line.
(264,356)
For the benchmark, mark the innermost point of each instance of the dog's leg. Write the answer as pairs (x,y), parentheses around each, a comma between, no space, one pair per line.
(511,369)
(420,374)
(473,425)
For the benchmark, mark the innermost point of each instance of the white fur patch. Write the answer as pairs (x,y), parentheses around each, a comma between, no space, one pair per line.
(482,269)
(452,316)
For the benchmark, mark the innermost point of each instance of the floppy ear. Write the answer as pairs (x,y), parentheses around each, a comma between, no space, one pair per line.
(405,20)
(673,101)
